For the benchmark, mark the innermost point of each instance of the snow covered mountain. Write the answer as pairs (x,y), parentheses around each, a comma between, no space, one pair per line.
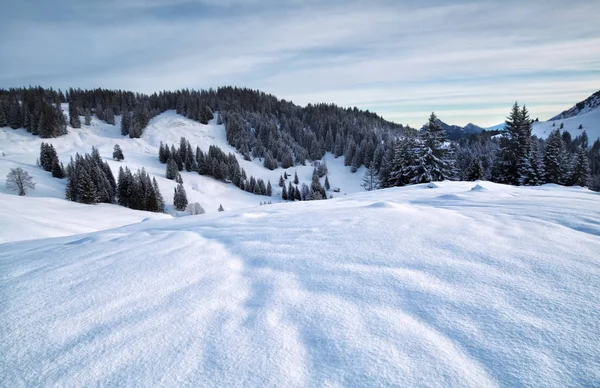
(19,148)
(582,107)
(461,284)
(455,132)
(583,116)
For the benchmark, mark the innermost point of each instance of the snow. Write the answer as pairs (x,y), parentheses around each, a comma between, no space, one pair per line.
(23,218)
(589,119)
(466,284)
(18,148)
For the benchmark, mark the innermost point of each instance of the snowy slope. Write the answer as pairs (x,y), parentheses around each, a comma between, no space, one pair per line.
(590,121)
(587,105)
(21,149)
(451,286)
(24,218)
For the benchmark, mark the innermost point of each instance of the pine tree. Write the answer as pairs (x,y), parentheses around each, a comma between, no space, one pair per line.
(88,117)
(475,170)
(327,186)
(290,192)
(269,189)
(297,194)
(125,123)
(281,181)
(57,169)
(284,194)
(180,200)
(109,116)
(581,169)
(118,153)
(432,164)
(554,160)
(172,171)
(74,115)
(221,208)
(160,202)
(296,180)
(512,164)
(86,188)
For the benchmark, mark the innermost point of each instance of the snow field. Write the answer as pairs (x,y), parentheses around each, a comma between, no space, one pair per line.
(417,286)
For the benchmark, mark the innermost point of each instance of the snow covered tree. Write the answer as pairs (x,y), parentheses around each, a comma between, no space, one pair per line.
(581,169)
(160,202)
(512,163)
(322,169)
(86,188)
(74,115)
(296,180)
(371,179)
(269,162)
(281,181)
(284,194)
(118,153)
(195,209)
(328,186)
(475,171)
(125,123)
(58,170)
(19,180)
(405,163)
(47,156)
(87,117)
(180,200)
(554,159)
(172,171)
(431,161)
(269,189)
(221,208)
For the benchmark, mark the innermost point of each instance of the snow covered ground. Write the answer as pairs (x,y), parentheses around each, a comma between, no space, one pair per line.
(456,285)
(590,122)
(42,214)
(20,149)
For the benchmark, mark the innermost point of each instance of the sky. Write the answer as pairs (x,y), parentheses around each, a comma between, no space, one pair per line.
(468,61)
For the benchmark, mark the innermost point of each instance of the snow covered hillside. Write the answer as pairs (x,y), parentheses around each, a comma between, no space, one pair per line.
(589,121)
(456,285)
(18,148)
(583,116)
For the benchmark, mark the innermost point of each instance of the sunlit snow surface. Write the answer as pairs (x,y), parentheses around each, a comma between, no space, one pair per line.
(418,286)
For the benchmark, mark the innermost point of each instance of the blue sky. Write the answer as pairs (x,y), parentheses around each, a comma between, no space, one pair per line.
(466,60)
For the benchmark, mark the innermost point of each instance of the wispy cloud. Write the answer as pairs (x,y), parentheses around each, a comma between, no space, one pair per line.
(468,61)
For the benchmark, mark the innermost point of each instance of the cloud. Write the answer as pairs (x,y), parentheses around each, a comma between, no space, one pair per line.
(469,60)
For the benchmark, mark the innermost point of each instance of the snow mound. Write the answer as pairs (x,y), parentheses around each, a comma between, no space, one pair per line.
(478,187)
(383,205)
(489,291)
(432,185)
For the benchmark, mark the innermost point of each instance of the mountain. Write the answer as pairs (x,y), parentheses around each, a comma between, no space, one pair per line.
(583,116)
(582,107)
(456,132)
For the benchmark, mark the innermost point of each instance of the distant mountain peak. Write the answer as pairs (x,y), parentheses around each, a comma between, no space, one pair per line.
(456,132)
